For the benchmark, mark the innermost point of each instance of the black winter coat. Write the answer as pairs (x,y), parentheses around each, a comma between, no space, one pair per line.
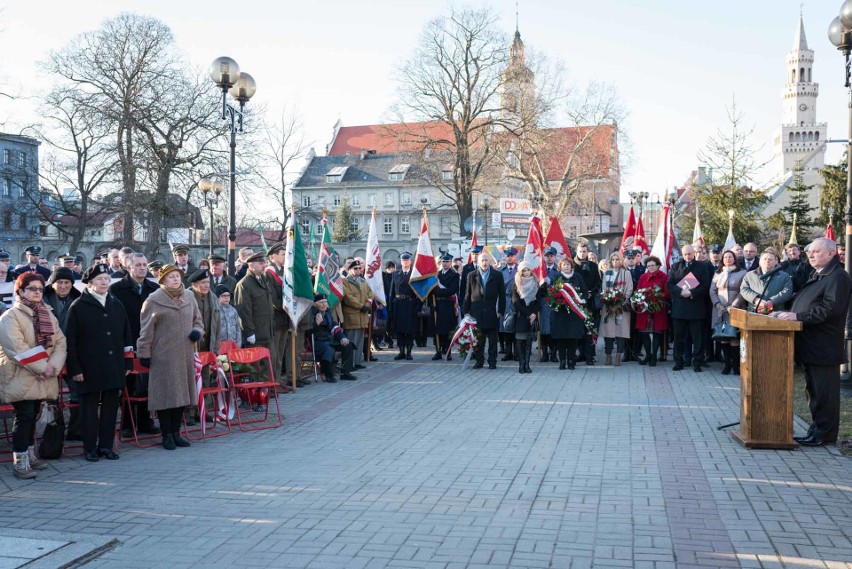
(695,306)
(486,304)
(125,291)
(821,306)
(564,324)
(523,310)
(403,305)
(97,337)
(52,300)
(445,301)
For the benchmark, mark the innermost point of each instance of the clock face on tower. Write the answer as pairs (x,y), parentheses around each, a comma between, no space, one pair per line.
(803,107)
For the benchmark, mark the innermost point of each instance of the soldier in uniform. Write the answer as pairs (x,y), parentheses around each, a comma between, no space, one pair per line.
(32,265)
(404,306)
(507,337)
(548,347)
(154,267)
(5,259)
(636,270)
(181,256)
(446,302)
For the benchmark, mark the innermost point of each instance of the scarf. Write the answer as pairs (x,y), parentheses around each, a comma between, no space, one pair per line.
(41,322)
(484,275)
(527,287)
(175,294)
(100,297)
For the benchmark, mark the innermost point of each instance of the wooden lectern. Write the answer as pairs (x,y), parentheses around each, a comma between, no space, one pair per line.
(766,373)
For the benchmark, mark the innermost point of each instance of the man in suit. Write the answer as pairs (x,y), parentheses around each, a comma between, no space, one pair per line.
(217,274)
(548,348)
(507,337)
(688,306)
(485,300)
(132,290)
(750,261)
(32,265)
(822,305)
(446,301)
(588,269)
(404,306)
(636,270)
(469,268)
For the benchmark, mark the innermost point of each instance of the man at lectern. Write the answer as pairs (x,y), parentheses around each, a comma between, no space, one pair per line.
(821,306)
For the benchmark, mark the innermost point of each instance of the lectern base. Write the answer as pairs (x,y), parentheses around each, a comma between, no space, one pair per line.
(753,443)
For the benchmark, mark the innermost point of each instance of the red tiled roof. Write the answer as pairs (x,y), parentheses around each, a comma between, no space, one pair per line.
(391,138)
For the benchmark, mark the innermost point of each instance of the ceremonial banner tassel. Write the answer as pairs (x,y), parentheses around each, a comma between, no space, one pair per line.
(629,235)
(556,239)
(534,253)
(424,272)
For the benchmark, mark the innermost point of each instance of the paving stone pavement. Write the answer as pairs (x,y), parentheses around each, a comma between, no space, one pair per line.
(422,465)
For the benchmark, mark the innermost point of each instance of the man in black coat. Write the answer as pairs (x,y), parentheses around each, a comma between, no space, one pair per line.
(467,269)
(485,300)
(794,265)
(750,260)
(132,290)
(822,305)
(446,302)
(688,306)
(592,277)
(404,307)
(387,280)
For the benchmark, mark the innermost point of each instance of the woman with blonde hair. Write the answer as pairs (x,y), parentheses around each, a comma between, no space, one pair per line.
(724,294)
(29,328)
(615,320)
(525,299)
(171,324)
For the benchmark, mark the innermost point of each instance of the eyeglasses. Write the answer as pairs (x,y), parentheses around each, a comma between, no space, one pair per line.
(34,289)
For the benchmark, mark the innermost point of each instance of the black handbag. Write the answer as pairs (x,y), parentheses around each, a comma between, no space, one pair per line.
(723,330)
(52,441)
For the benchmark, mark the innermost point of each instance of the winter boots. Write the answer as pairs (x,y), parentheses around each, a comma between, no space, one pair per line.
(22,468)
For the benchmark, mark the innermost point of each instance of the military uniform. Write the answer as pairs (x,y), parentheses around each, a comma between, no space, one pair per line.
(446,303)
(404,306)
(507,337)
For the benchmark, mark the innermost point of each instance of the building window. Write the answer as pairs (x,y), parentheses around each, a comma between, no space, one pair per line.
(356,223)
(18,190)
(336,199)
(405,225)
(7,219)
(22,158)
(306,201)
(406,199)
(445,224)
(22,221)
(306,226)
(6,188)
(447,175)
(371,200)
(388,198)
(7,156)
(397,173)
(356,200)
(320,201)
(388,226)
(335,175)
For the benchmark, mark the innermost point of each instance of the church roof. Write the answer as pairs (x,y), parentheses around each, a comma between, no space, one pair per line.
(800,42)
(391,138)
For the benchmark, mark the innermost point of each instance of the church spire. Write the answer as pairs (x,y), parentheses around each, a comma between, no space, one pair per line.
(800,42)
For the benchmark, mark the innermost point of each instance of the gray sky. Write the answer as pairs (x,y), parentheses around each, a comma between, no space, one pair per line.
(676,64)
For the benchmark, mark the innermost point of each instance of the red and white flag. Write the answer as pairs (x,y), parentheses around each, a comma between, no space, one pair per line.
(629,235)
(534,251)
(664,242)
(639,241)
(473,242)
(31,356)
(697,234)
(829,231)
(556,239)
(373,270)
(198,386)
(424,271)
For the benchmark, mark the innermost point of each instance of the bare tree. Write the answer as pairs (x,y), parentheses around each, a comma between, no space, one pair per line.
(453,80)
(116,71)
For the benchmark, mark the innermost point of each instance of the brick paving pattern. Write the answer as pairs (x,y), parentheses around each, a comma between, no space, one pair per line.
(422,465)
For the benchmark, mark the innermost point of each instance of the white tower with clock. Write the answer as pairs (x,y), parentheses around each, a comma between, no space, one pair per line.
(801,139)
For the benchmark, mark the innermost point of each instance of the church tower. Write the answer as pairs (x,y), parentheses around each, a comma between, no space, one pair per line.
(801,139)
(517,87)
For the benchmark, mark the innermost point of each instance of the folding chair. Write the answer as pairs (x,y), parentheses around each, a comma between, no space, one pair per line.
(127,407)
(208,359)
(253,356)
(65,403)
(225,347)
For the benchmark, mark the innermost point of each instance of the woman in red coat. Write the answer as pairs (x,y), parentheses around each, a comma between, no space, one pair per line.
(652,320)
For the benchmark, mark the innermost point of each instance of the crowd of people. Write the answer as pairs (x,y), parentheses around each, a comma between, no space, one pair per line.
(160,314)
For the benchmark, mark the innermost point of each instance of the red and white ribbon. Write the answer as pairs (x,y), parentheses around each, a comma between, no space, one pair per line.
(467,329)
(572,299)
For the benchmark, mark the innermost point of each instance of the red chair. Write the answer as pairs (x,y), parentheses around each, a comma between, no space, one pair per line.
(253,356)
(225,347)
(7,434)
(209,359)
(144,441)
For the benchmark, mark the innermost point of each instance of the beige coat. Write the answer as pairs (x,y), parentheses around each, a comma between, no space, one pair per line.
(621,280)
(164,339)
(354,297)
(17,382)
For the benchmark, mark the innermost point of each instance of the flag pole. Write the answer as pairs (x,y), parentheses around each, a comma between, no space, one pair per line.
(434,304)
(294,372)
(372,307)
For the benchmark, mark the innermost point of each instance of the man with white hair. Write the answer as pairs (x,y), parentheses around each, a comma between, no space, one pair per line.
(822,305)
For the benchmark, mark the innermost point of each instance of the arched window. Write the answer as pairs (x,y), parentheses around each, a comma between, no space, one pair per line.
(816,136)
(794,77)
(809,74)
(810,136)
(802,75)
(798,137)
(791,137)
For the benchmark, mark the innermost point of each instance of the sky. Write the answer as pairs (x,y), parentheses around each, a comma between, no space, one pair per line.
(676,65)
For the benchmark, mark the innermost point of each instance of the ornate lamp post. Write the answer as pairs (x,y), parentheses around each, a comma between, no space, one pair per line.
(226,74)
(211,189)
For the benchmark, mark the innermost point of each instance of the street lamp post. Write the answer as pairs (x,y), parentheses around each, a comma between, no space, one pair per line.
(226,74)
(211,189)
(486,203)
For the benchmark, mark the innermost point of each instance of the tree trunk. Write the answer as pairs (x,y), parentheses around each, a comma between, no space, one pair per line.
(157,212)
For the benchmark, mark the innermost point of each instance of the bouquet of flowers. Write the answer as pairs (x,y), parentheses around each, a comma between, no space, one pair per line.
(613,300)
(649,299)
(765,310)
(563,296)
(467,338)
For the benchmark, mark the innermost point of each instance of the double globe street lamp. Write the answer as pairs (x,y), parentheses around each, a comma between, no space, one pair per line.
(211,188)
(226,74)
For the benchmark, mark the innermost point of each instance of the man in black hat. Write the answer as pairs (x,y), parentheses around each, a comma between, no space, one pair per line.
(507,337)
(387,281)
(182,262)
(32,265)
(446,296)
(467,269)
(132,290)
(254,297)
(275,272)
(328,337)
(404,307)
(218,263)
(154,267)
